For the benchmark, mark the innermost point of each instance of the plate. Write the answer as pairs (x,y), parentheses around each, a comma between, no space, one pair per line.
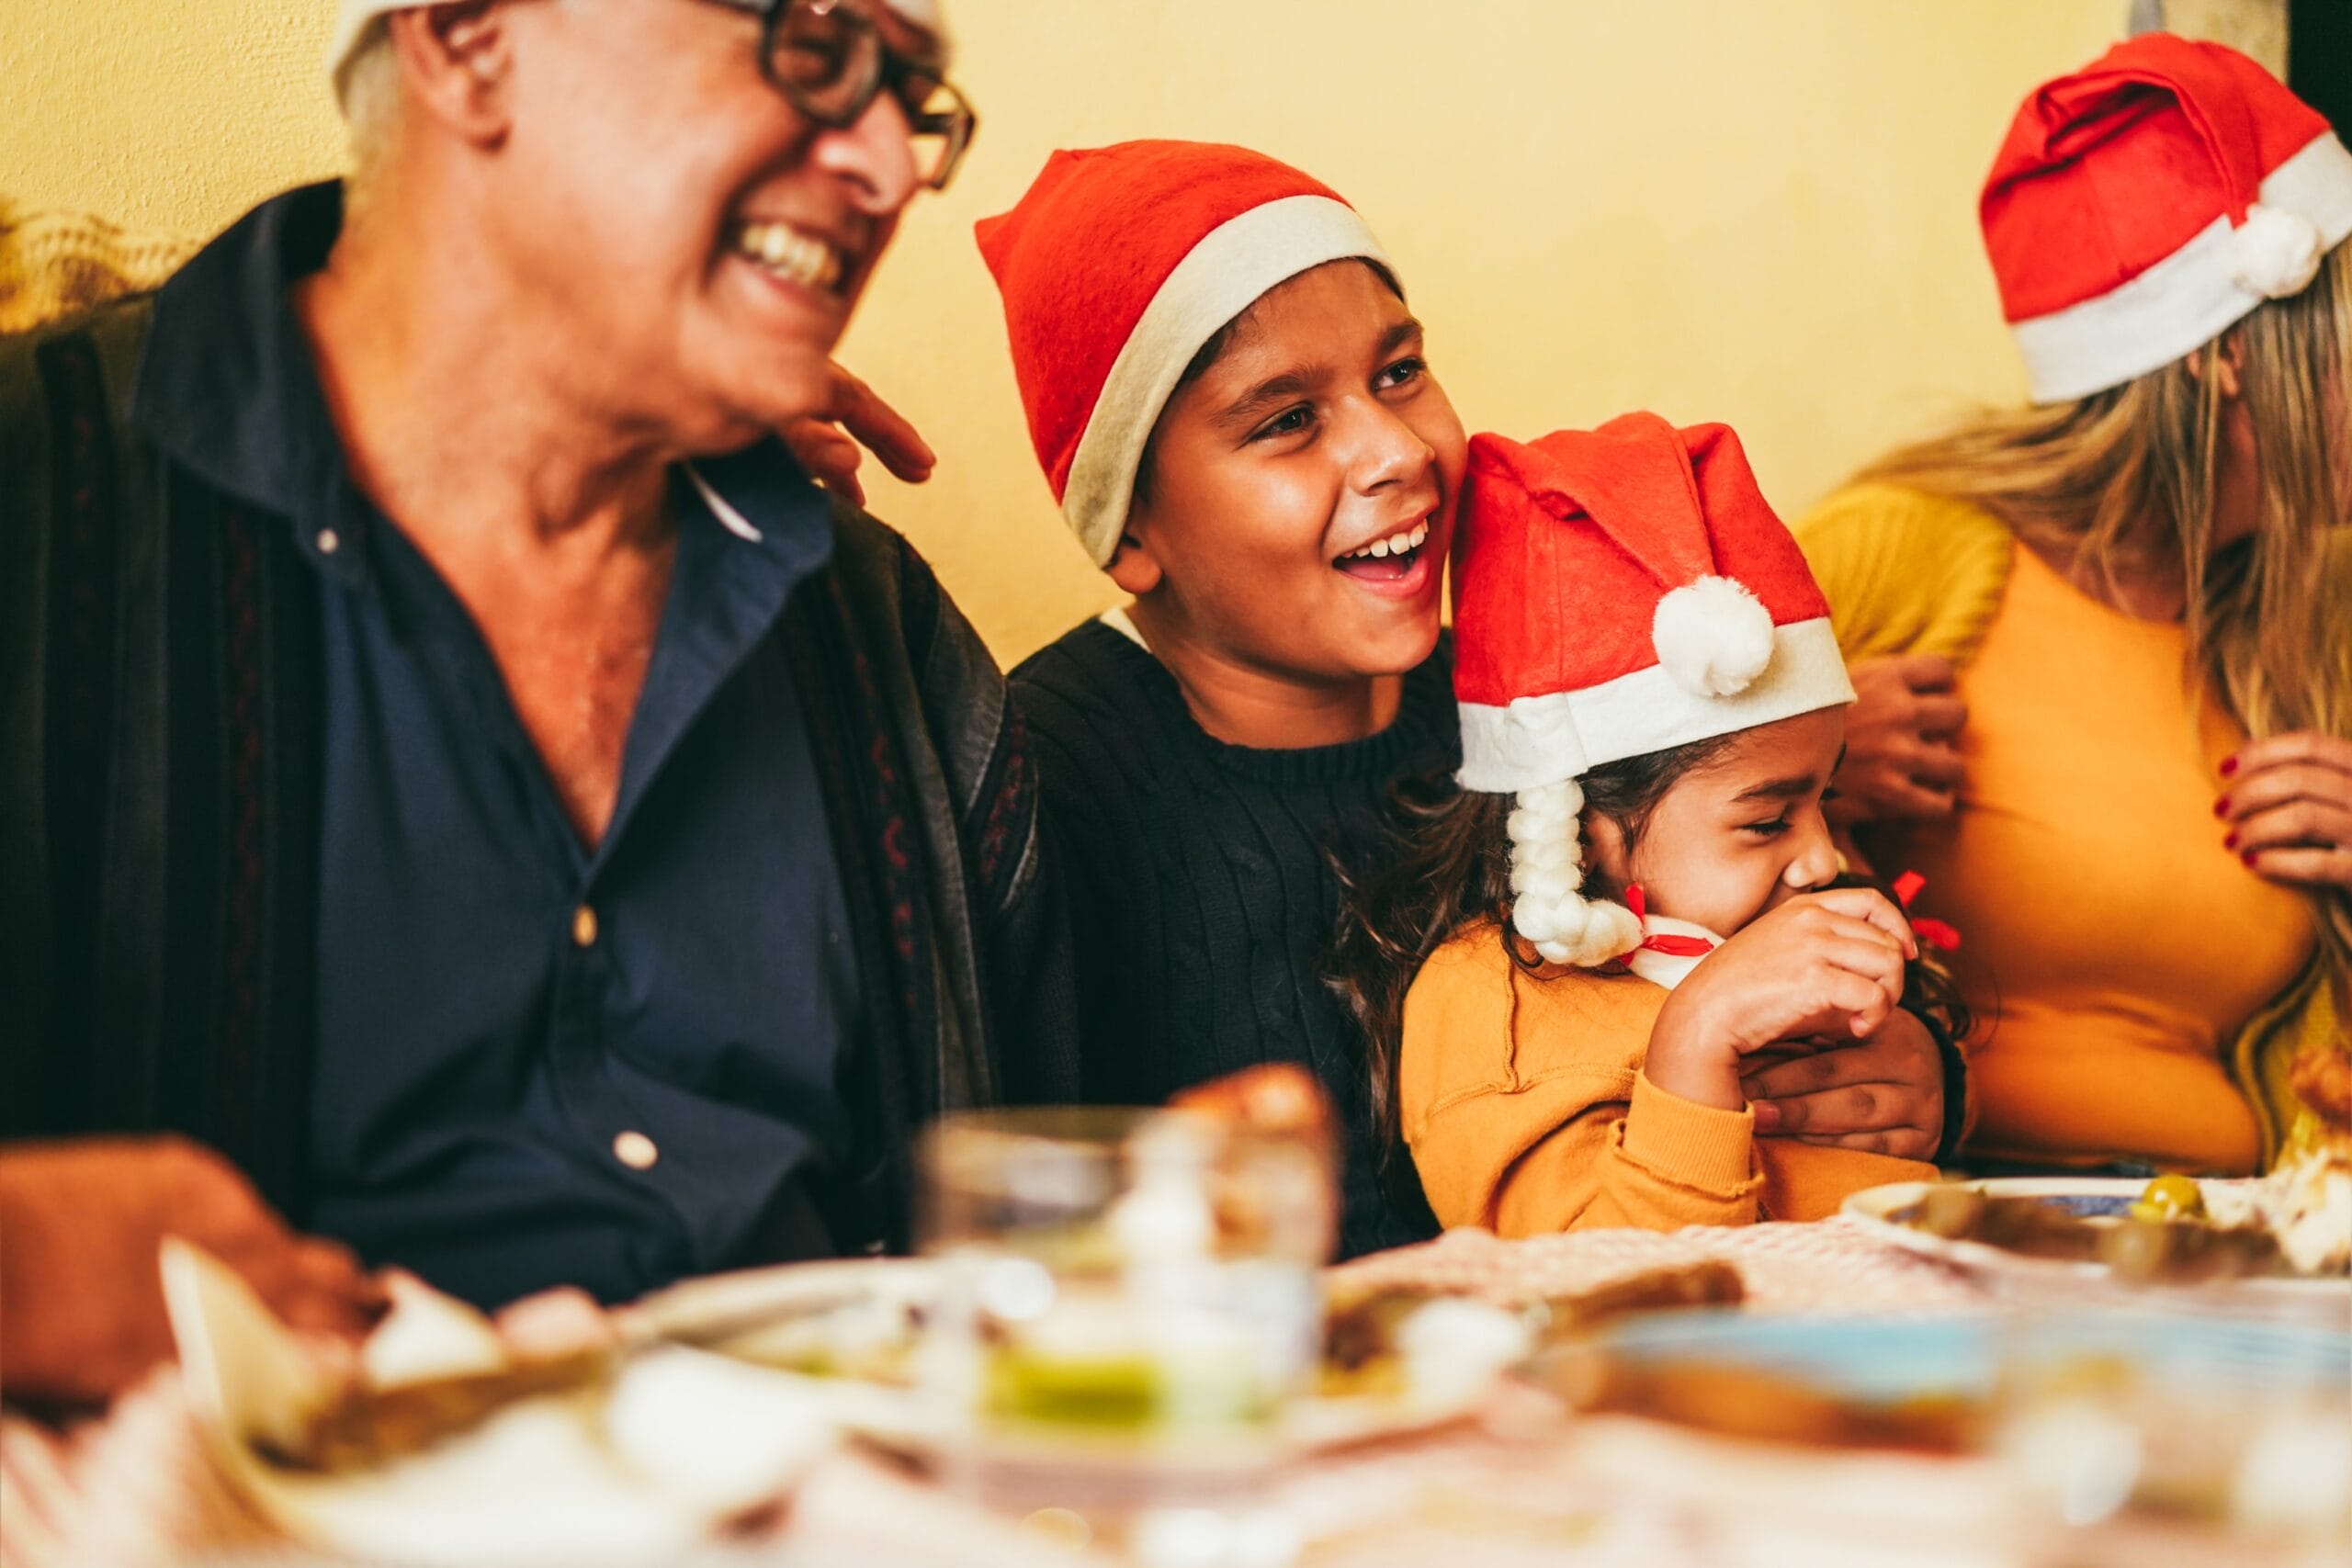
(1886,1210)
(860,1296)
(644,1468)
(2053,1395)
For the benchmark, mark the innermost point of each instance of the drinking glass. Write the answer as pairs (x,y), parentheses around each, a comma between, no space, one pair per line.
(1129,1304)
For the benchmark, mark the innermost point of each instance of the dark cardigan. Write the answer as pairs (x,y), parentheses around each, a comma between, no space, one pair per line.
(159,747)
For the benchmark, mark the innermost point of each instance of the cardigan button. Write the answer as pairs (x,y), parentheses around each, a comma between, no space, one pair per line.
(583,926)
(329,541)
(635,1151)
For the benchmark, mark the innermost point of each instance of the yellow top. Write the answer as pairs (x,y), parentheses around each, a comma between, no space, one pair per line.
(1523,1101)
(2112,948)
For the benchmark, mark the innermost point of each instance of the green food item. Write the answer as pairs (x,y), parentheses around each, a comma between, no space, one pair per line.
(1126,1393)
(2170,1198)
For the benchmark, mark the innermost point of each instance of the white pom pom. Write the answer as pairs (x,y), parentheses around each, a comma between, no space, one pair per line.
(2275,253)
(1714,636)
(1546,870)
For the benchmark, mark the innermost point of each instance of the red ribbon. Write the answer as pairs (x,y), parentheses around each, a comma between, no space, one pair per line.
(1673,947)
(1934,933)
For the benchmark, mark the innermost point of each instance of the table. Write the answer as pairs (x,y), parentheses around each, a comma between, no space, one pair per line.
(135,1489)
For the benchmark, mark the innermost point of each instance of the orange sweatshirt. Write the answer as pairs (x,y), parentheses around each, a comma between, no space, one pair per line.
(1524,1105)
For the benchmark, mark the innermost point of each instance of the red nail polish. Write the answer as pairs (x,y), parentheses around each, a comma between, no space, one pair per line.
(2229,766)
(2246,855)
(2221,806)
(2230,843)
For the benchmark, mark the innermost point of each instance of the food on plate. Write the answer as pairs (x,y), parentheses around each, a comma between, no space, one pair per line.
(369,1426)
(2166,1237)
(1369,1338)
(2307,1198)
(1732,1399)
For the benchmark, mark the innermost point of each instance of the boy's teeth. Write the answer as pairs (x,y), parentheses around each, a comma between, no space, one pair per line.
(1394,545)
(791,255)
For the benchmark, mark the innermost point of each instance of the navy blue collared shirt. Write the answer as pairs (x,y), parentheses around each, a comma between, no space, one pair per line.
(539,1061)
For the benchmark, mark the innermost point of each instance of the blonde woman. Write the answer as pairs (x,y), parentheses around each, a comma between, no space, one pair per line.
(2142,584)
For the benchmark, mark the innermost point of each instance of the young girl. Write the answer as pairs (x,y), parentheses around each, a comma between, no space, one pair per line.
(1631,909)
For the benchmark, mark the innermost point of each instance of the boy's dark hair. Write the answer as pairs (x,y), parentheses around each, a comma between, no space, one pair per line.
(1449,868)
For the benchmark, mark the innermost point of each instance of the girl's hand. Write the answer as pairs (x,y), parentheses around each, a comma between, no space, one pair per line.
(1885,1094)
(1827,965)
(2288,808)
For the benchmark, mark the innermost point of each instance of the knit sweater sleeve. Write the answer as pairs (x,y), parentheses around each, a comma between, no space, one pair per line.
(1526,1111)
(1905,571)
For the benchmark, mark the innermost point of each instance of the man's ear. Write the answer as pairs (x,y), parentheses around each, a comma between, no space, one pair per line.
(1133,566)
(457,58)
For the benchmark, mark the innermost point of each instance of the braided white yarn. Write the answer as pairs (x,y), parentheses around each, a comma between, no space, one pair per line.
(1547,869)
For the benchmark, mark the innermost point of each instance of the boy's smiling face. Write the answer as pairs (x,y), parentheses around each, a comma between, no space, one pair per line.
(1739,834)
(1301,490)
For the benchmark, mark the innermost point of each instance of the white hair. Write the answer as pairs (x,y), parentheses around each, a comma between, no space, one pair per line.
(371,108)
(1546,874)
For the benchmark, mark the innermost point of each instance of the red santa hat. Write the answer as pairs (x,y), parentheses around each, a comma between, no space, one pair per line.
(2145,203)
(1618,592)
(1116,267)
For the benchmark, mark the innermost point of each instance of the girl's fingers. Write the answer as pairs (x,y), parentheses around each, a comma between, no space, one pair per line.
(1872,909)
(2305,868)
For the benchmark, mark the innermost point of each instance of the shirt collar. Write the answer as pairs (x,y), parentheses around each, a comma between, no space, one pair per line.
(227,387)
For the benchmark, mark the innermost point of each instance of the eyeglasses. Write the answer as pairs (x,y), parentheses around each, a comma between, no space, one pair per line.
(829,61)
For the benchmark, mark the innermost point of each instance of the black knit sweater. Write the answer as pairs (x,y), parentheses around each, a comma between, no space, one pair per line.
(1202,889)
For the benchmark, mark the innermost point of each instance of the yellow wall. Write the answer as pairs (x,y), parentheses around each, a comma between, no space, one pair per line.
(1755,211)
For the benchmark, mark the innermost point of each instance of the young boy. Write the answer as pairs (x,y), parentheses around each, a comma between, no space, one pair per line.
(1229,399)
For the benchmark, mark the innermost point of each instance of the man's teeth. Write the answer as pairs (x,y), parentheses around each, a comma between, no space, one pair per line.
(790,254)
(1394,545)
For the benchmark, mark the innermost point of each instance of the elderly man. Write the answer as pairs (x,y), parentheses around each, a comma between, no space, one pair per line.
(455,763)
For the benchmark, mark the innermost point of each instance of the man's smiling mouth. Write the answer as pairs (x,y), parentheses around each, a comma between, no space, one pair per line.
(793,254)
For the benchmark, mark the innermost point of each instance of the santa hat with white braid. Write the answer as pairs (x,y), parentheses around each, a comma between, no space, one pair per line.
(1618,592)
(2142,204)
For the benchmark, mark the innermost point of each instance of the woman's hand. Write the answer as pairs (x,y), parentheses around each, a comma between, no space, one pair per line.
(1885,1094)
(1902,742)
(2288,808)
(80,1224)
(1825,967)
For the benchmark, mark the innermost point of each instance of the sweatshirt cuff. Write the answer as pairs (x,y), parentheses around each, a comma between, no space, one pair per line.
(1696,1146)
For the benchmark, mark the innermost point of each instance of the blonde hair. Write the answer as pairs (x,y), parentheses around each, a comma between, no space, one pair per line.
(2121,483)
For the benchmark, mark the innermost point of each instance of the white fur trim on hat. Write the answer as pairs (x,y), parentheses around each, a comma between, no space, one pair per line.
(1542,740)
(1713,636)
(1219,279)
(2194,295)
(1546,875)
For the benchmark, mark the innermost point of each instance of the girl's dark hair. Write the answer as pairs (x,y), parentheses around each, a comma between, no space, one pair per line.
(1448,868)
